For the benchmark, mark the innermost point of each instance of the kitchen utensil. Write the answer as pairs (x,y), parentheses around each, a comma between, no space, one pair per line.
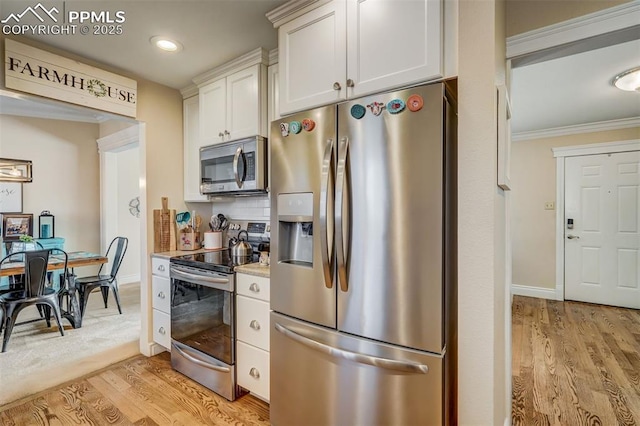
(183,218)
(215,223)
(241,252)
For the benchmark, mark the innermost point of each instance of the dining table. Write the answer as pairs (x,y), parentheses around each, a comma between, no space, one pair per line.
(69,303)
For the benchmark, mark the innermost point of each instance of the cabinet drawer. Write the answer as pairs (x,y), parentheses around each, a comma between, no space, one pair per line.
(253,322)
(161,328)
(253,370)
(253,286)
(161,288)
(160,266)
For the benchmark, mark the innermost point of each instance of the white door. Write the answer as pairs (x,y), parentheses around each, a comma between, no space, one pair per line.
(191,147)
(245,109)
(602,256)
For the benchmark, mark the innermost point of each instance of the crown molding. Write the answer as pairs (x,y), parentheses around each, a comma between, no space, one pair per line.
(189,91)
(291,10)
(119,139)
(596,148)
(601,126)
(273,56)
(605,21)
(254,57)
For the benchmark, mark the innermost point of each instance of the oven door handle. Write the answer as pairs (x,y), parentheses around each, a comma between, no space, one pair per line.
(195,360)
(187,276)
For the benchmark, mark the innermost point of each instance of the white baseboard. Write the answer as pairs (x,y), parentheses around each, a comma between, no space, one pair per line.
(530,291)
(152,349)
(507,421)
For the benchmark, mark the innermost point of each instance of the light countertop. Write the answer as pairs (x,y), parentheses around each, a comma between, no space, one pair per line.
(174,253)
(253,269)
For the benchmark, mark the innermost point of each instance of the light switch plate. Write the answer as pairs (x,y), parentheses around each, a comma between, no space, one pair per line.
(549,205)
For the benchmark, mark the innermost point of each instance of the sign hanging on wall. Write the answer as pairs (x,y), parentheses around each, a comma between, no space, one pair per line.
(42,73)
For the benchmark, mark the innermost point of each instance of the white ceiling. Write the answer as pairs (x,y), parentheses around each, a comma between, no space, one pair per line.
(574,90)
(550,93)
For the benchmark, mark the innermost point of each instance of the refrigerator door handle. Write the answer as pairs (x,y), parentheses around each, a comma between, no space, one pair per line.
(236,158)
(324,205)
(343,150)
(389,364)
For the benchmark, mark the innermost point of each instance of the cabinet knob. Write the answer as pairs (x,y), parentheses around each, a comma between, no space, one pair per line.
(226,132)
(161,268)
(221,134)
(254,373)
(161,330)
(254,288)
(255,325)
(161,295)
(350,83)
(336,86)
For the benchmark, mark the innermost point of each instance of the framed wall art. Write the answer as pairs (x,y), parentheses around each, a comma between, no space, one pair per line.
(10,197)
(15,225)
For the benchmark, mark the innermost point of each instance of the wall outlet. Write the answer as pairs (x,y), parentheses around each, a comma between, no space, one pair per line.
(549,205)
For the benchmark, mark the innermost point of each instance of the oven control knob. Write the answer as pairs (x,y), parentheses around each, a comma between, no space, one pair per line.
(255,325)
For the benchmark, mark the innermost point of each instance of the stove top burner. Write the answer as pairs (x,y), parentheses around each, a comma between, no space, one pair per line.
(218,261)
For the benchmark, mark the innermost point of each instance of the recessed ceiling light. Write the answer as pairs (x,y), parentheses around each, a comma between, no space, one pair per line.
(628,80)
(166,44)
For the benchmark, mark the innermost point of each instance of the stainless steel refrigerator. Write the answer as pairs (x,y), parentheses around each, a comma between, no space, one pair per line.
(363,261)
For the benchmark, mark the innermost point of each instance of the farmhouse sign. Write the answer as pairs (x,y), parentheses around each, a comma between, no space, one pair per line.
(36,71)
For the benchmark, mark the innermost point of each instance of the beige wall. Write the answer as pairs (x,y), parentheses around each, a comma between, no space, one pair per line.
(483,309)
(527,15)
(534,183)
(65,175)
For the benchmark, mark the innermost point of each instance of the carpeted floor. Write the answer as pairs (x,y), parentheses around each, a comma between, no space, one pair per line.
(38,357)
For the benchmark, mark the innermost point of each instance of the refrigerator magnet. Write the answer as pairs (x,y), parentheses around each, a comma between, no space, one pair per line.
(295,127)
(376,107)
(308,124)
(358,111)
(284,129)
(415,103)
(395,106)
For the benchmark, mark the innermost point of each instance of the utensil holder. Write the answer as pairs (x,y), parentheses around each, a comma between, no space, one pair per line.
(213,240)
(189,240)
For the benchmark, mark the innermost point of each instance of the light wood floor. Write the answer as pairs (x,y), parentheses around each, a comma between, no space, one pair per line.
(575,363)
(138,391)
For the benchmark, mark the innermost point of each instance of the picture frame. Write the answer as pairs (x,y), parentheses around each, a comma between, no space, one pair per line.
(10,197)
(15,225)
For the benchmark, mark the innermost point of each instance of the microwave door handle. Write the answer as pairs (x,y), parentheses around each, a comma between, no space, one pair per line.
(236,158)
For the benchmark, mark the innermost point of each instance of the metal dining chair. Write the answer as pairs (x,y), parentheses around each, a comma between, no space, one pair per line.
(86,285)
(35,292)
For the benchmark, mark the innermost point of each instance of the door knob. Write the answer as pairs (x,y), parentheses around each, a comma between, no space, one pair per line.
(350,83)
(571,237)
(336,86)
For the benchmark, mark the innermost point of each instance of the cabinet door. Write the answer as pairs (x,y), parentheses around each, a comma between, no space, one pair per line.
(191,127)
(392,45)
(273,96)
(213,112)
(246,103)
(162,328)
(312,58)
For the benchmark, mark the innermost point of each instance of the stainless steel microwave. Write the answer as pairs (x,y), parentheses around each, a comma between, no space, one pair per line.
(234,168)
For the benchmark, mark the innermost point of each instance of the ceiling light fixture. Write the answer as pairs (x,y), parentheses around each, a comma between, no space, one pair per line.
(166,44)
(628,80)
(12,170)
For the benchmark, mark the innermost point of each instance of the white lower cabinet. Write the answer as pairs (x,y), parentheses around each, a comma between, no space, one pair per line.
(252,344)
(253,369)
(161,301)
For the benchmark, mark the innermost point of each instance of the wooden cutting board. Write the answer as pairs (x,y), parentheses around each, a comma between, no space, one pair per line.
(164,228)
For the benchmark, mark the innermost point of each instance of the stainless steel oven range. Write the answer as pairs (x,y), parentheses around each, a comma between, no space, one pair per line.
(203,320)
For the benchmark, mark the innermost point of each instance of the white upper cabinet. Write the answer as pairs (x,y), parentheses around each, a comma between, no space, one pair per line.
(192,144)
(235,106)
(346,49)
(392,43)
(311,58)
(213,112)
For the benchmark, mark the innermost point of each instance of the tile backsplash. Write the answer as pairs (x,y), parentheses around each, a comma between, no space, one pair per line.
(246,208)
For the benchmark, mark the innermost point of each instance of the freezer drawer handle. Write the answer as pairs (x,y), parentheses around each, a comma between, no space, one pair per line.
(390,364)
(199,362)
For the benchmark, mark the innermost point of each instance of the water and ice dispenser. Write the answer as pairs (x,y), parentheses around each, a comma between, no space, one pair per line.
(295,232)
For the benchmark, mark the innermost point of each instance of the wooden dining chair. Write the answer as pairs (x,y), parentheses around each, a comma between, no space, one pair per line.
(86,285)
(35,292)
